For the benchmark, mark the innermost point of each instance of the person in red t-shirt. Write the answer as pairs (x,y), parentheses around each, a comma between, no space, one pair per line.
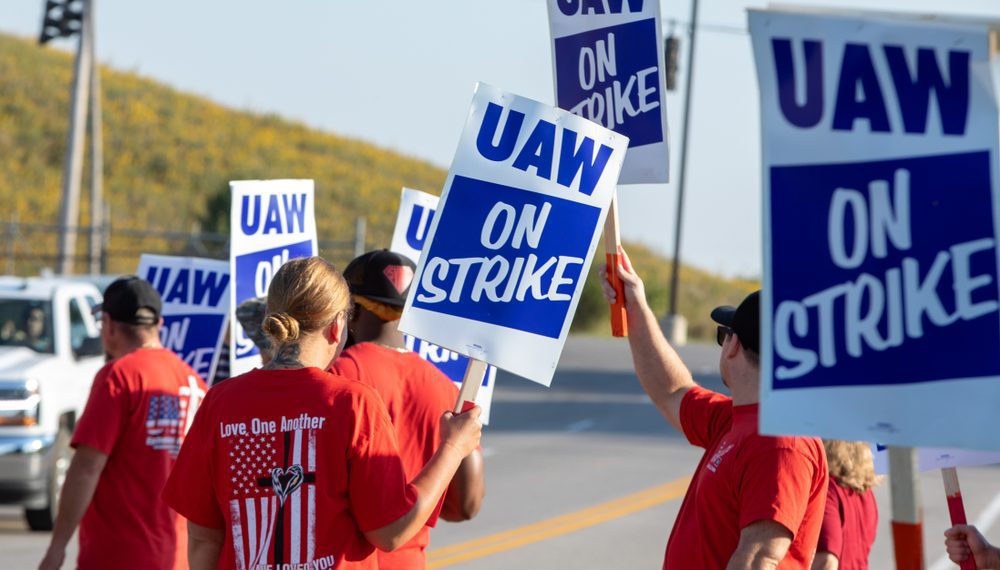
(140,407)
(851,517)
(413,390)
(291,466)
(754,501)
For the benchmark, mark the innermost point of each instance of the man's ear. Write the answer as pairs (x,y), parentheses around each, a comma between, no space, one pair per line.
(733,346)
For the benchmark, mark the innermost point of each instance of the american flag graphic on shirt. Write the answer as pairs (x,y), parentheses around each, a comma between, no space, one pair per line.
(169,417)
(273,504)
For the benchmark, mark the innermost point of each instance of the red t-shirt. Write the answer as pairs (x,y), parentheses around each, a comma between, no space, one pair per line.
(416,394)
(849,526)
(744,478)
(139,409)
(295,465)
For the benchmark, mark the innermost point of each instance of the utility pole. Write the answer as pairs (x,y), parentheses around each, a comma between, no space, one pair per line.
(64,19)
(96,152)
(676,325)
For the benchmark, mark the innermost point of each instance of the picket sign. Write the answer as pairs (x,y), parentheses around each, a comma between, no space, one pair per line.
(195,294)
(518,224)
(881,224)
(272,221)
(612,253)
(608,66)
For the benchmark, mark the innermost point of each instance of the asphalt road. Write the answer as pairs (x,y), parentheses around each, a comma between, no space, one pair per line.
(586,474)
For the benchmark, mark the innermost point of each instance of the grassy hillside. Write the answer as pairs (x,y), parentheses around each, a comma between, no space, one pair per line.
(169,156)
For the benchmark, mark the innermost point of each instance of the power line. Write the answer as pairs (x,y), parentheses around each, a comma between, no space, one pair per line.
(713,28)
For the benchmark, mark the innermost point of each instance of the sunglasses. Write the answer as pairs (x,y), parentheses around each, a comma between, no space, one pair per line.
(722,333)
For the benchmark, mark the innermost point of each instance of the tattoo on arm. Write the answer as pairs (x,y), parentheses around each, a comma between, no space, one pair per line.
(286,356)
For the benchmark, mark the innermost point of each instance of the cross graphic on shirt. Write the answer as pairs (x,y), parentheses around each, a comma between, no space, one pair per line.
(268,483)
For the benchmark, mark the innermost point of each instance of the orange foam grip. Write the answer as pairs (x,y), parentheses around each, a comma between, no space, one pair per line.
(619,321)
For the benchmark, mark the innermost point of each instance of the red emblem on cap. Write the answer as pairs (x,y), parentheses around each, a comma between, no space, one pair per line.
(399,275)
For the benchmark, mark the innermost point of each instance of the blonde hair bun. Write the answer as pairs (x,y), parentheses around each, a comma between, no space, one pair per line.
(282,327)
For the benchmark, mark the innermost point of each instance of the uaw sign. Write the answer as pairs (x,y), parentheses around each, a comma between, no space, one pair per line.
(880,305)
(608,67)
(272,221)
(413,224)
(522,208)
(195,296)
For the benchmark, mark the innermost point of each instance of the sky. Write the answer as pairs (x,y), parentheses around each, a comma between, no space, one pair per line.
(400,74)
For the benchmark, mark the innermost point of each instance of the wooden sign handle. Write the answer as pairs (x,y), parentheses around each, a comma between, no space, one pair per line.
(473,379)
(956,507)
(612,254)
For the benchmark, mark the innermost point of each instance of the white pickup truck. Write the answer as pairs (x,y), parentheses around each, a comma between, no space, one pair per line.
(50,350)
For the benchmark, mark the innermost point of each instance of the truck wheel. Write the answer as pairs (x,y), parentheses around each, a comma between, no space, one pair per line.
(44,519)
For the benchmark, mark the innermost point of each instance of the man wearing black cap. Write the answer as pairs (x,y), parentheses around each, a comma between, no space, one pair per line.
(413,390)
(141,405)
(754,501)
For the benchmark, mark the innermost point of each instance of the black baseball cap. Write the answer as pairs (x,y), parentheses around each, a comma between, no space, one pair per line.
(744,320)
(131,300)
(381,275)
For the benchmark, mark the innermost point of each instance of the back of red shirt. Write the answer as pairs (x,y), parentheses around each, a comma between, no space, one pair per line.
(416,394)
(295,465)
(744,478)
(849,526)
(140,408)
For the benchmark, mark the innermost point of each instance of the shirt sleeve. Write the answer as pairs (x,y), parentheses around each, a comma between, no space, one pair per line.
(190,489)
(107,407)
(776,486)
(379,491)
(705,415)
(831,537)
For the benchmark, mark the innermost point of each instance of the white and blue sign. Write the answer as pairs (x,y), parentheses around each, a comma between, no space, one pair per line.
(272,221)
(881,302)
(413,224)
(514,234)
(195,295)
(608,67)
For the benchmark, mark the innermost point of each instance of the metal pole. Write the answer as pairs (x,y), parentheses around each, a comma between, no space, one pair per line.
(96,150)
(676,267)
(69,210)
(359,236)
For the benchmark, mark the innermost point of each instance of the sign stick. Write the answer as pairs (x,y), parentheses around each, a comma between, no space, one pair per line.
(612,253)
(956,507)
(474,372)
(907,514)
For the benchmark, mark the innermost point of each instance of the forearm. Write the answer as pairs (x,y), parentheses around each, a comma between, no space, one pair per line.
(77,492)
(204,547)
(466,490)
(752,560)
(661,372)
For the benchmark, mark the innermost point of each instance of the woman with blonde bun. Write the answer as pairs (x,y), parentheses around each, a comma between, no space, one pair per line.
(290,466)
(851,516)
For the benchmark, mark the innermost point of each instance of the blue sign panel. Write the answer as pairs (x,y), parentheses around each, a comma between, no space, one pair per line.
(511,260)
(900,257)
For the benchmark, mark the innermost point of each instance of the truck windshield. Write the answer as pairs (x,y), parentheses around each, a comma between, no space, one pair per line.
(26,322)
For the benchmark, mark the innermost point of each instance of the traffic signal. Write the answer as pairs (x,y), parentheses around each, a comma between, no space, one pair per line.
(62,19)
(672,48)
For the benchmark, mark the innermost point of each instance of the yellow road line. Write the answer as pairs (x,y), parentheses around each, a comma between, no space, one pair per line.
(556,526)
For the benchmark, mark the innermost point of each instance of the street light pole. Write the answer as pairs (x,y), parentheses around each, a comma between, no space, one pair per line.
(677,327)
(69,211)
